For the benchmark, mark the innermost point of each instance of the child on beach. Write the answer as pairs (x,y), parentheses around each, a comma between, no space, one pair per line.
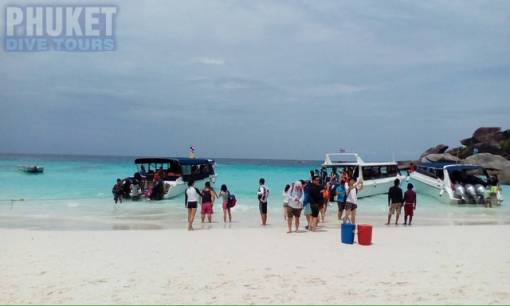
(262,195)
(224,194)
(208,197)
(285,195)
(409,204)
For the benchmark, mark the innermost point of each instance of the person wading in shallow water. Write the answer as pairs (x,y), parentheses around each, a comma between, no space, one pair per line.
(395,198)
(117,191)
(262,195)
(296,197)
(409,204)
(191,202)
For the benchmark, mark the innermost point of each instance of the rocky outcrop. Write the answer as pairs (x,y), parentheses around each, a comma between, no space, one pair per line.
(488,147)
(443,157)
(485,140)
(496,164)
(439,149)
(484,135)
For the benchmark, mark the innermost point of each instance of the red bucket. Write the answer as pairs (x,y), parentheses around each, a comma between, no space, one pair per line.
(364,234)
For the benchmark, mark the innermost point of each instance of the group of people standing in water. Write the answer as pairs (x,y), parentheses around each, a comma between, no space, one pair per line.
(312,198)
(207,196)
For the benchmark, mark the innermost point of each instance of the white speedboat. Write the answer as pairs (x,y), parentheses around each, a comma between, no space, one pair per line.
(453,183)
(175,173)
(377,177)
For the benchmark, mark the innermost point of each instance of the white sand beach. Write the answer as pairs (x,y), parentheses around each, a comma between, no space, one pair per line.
(405,265)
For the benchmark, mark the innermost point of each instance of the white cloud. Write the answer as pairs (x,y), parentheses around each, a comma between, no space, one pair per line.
(326,90)
(208,61)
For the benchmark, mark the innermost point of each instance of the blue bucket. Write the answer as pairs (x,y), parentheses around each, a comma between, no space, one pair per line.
(347,233)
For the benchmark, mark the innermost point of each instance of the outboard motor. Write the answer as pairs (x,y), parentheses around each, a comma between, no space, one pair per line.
(460,192)
(471,193)
(480,191)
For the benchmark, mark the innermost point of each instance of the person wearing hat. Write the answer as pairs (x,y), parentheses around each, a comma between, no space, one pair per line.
(409,204)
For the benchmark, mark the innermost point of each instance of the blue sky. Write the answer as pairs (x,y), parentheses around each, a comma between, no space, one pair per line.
(266,79)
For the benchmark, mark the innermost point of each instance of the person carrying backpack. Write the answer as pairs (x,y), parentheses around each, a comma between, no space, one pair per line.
(262,195)
(229,201)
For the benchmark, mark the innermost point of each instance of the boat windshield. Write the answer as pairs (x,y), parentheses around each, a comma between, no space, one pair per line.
(169,170)
(378,172)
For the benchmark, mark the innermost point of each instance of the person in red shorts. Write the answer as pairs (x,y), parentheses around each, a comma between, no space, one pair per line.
(208,197)
(409,204)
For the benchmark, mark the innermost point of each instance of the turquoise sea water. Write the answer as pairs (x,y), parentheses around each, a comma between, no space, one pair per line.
(75,193)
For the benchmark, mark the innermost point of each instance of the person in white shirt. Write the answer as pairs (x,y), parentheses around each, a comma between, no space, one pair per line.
(192,195)
(296,198)
(262,195)
(351,203)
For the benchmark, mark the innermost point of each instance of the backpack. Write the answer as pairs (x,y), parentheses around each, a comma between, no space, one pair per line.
(232,201)
(263,197)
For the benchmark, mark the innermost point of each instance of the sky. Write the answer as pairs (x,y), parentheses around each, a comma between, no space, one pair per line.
(266,79)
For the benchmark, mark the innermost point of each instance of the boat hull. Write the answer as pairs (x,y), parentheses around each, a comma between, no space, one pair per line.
(377,187)
(177,188)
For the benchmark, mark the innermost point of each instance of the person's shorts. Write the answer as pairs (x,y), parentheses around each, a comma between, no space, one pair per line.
(409,209)
(341,206)
(315,210)
(395,207)
(307,210)
(191,204)
(224,205)
(293,212)
(206,208)
(263,208)
(350,206)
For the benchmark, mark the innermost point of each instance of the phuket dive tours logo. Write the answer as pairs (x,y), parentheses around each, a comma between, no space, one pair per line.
(78,28)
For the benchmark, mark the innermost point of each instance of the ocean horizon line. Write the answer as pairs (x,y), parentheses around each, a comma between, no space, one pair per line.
(111,156)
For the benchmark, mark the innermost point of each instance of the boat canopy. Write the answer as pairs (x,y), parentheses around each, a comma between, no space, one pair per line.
(350,159)
(448,165)
(461,167)
(173,168)
(181,160)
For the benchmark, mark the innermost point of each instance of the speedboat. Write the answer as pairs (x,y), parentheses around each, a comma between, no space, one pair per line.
(453,183)
(377,177)
(175,173)
(31,169)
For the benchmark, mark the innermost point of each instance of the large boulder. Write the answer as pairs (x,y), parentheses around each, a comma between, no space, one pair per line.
(500,164)
(443,157)
(461,152)
(439,149)
(493,148)
(487,135)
